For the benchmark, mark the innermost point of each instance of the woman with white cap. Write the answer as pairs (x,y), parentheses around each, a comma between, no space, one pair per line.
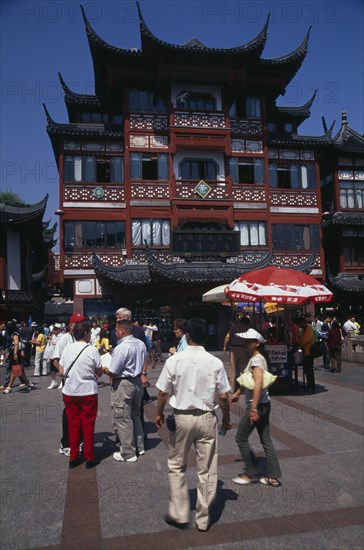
(256,415)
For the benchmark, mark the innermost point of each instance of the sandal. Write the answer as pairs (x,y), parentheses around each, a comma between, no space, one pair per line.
(243,480)
(270,481)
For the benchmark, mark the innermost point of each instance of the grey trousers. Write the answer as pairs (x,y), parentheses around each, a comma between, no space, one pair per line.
(242,435)
(126,398)
(197,428)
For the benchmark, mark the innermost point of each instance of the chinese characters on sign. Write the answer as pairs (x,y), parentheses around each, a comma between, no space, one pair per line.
(277,354)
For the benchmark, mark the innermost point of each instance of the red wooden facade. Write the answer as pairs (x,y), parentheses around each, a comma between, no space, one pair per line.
(181,149)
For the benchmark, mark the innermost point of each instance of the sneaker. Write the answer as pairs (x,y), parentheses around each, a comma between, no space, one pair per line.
(21,386)
(3,388)
(31,384)
(141,453)
(60,386)
(53,385)
(64,451)
(117,456)
(7,390)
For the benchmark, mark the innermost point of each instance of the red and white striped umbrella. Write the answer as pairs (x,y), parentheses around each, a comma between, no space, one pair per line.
(278,285)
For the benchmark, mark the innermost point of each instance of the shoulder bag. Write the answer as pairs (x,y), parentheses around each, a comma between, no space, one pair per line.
(246,379)
(73,362)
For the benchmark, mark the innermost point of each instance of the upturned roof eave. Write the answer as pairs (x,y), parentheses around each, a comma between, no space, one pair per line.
(346,282)
(148,39)
(22,214)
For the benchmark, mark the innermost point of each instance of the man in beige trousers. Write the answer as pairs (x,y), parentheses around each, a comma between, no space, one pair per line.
(192,379)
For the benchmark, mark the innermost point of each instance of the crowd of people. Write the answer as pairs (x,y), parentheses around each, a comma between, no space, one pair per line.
(192,380)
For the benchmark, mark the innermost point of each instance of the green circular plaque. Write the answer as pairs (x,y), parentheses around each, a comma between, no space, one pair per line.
(98,193)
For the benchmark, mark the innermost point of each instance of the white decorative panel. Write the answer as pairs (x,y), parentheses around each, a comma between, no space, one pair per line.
(158,142)
(139,141)
(85,287)
(254,146)
(346,175)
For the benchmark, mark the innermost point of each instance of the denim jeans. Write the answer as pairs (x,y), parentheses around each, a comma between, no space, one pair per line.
(244,430)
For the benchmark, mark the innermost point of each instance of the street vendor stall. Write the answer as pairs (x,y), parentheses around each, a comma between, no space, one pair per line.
(285,287)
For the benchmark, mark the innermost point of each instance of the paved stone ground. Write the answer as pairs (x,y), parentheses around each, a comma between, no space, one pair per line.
(318,437)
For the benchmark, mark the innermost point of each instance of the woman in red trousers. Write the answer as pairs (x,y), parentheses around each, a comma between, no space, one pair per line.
(80,365)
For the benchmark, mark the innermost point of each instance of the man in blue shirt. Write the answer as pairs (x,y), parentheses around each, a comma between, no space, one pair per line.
(128,374)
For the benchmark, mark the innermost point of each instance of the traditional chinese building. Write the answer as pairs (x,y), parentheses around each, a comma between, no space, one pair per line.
(180,173)
(25,244)
(342,181)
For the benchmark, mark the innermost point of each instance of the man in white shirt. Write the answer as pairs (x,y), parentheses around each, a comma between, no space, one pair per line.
(127,371)
(349,325)
(192,379)
(95,332)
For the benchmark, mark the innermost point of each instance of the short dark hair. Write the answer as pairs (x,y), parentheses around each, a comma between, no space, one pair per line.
(81,329)
(126,325)
(197,330)
(299,320)
(245,320)
(180,323)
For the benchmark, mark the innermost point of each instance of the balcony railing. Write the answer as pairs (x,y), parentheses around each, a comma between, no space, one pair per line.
(197,119)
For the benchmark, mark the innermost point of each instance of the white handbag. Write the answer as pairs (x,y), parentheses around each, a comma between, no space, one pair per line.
(246,379)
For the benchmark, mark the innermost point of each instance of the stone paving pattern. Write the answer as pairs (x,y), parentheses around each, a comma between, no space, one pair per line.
(318,438)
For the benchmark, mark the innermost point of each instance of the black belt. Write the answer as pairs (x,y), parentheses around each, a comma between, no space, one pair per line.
(129,377)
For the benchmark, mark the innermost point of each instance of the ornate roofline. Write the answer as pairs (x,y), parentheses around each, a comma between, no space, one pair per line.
(295,139)
(194,272)
(344,218)
(77,129)
(301,112)
(298,54)
(285,67)
(347,282)
(200,272)
(95,39)
(126,274)
(348,139)
(149,39)
(19,214)
(73,97)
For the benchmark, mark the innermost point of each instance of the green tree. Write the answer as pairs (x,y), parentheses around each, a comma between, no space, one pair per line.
(11,199)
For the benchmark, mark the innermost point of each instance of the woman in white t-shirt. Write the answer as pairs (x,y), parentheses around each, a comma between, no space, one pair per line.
(81,365)
(256,415)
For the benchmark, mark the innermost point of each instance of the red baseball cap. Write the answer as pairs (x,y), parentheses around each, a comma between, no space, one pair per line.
(77,318)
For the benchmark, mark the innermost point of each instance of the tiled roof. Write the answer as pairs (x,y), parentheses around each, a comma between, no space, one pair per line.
(202,271)
(79,129)
(81,99)
(348,282)
(11,215)
(127,275)
(148,39)
(298,113)
(344,218)
(193,272)
(348,139)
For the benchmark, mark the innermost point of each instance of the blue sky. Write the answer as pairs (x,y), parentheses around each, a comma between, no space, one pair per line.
(40,38)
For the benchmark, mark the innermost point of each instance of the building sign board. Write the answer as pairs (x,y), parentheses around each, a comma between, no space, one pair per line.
(205,243)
